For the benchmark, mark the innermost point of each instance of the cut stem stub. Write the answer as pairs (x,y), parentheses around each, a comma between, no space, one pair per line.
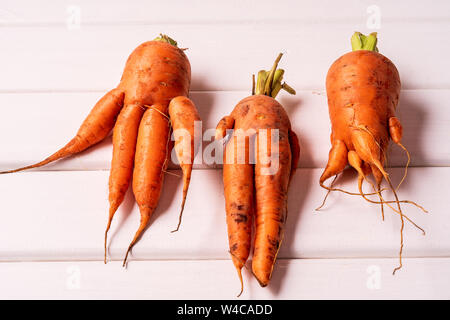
(165,38)
(269,82)
(363,42)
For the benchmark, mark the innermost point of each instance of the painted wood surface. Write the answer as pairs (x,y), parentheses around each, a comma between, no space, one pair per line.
(59,57)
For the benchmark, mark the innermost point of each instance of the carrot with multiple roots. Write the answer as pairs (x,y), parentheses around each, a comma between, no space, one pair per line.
(363,88)
(156,80)
(149,101)
(259,160)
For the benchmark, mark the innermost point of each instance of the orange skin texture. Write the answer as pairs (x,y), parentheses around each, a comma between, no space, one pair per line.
(248,191)
(183,114)
(150,162)
(124,146)
(363,89)
(155,73)
(238,181)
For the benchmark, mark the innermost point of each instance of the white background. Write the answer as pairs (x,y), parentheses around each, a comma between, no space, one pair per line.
(57,58)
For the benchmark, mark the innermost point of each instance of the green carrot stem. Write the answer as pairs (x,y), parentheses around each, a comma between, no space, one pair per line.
(165,38)
(268,86)
(276,88)
(260,82)
(362,42)
(253,85)
(278,76)
(288,88)
(269,82)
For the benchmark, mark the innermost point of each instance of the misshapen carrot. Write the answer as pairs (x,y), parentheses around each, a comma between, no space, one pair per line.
(363,88)
(257,191)
(155,73)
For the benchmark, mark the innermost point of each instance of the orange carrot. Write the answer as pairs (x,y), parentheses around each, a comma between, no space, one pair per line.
(363,88)
(183,116)
(94,129)
(252,188)
(238,181)
(155,73)
(124,146)
(151,159)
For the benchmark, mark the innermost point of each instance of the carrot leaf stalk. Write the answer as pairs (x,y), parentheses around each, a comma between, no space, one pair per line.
(165,38)
(363,42)
(269,82)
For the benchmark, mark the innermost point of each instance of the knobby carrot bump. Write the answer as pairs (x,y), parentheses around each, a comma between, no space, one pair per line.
(363,89)
(252,195)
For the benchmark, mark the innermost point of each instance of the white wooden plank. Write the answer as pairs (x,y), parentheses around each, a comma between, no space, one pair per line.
(56,64)
(62,216)
(49,58)
(292,279)
(34,125)
(23,12)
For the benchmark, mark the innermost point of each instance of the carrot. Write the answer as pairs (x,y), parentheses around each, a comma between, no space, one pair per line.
(363,88)
(238,181)
(97,125)
(183,116)
(254,192)
(155,73)
(150,162)
(124,146)
(153,151)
